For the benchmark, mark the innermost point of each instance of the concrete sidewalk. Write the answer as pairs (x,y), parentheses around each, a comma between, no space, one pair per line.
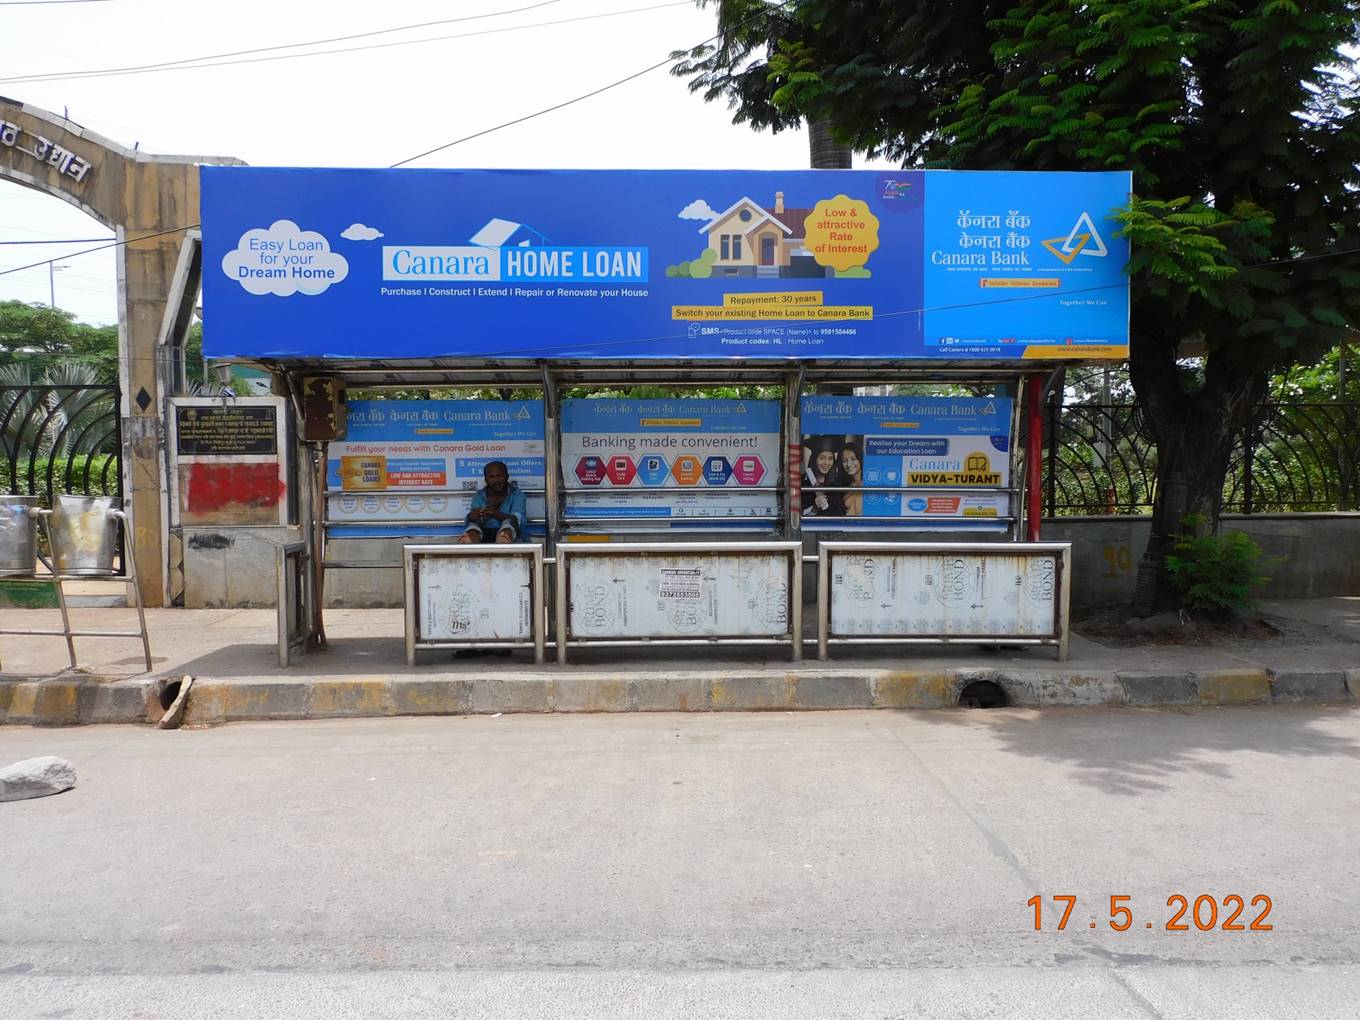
(232,655)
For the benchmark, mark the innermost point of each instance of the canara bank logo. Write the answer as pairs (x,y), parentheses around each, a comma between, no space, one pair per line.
(1082,239)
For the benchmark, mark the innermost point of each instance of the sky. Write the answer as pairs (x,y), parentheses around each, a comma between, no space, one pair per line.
(365,108)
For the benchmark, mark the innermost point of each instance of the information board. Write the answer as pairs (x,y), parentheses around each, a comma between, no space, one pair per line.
(668,462)
(474,598)
(416,464)
(227,461)
(988,593)
(676,264)
(947,455)
(690,595)
(223,430)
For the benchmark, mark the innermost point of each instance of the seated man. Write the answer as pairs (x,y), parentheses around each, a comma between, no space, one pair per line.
(498,509)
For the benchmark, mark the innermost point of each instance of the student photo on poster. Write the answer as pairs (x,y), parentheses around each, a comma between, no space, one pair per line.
(850,461)
(822,472)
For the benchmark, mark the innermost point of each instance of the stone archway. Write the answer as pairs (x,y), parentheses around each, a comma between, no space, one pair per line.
(151,204)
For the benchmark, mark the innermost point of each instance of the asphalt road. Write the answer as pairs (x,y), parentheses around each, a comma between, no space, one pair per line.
(857,864)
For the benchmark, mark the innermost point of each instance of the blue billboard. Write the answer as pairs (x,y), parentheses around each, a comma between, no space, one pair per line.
(627,264)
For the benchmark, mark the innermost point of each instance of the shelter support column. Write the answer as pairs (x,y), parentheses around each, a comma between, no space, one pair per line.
(1034,453)
(793,455)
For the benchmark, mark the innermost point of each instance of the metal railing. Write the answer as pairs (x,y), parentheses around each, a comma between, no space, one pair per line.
(1293,458)
(56,439)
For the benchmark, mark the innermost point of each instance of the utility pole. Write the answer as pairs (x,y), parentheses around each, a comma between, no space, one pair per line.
(52,268)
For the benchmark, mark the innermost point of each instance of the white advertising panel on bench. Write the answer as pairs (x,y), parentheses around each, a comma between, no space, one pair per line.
(934,591)
(679,592)
(474,596)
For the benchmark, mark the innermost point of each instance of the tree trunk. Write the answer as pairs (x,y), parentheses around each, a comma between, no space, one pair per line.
(1195,434)
(826,152)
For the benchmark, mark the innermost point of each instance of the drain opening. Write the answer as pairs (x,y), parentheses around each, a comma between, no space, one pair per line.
(169,693)
(983,694)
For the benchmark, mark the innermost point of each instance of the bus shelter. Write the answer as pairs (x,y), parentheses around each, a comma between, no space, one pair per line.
(878,341)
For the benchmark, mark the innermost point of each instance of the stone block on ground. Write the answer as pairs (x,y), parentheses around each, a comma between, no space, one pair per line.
(36,777)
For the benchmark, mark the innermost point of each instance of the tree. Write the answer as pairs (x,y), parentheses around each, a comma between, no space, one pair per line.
(746,27)
(41,337)
(1238,120)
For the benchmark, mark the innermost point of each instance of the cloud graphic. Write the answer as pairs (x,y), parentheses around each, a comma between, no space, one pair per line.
(697,210)
(359,232)
(284,260)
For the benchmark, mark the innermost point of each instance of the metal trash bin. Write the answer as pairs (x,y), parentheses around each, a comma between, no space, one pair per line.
(18,536)
(84,535)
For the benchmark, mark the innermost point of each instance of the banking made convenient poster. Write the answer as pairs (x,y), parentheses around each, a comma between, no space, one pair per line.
(627,264)
(658,462)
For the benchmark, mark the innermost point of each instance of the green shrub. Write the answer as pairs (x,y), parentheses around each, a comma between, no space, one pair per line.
(1216,574)
(96,462)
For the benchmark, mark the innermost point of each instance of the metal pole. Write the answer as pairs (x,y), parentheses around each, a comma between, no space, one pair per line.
(1015,502)
(410,565)
(796,601)
(1054,413)
(560,568)
(43,516)
(793,455)
(823,603)
(131,578)
(319,541)
(1034,452)
(536,603)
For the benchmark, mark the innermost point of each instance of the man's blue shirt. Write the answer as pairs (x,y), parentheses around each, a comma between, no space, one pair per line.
(513,504)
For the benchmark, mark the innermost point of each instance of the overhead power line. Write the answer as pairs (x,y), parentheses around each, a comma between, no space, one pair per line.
(201,63)
(588,95)
(62,75)
(68,240)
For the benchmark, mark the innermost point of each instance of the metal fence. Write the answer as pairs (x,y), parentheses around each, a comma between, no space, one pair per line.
(60,439)
(1293,458)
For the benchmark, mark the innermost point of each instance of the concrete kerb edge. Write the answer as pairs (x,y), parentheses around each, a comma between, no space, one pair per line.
(77,699)
(66,699)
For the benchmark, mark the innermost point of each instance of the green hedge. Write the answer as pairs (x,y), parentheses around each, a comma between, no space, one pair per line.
(95,462)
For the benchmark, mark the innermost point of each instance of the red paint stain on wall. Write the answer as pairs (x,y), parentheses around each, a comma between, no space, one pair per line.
(219,486)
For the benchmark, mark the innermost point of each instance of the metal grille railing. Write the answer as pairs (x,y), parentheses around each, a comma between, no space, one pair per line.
(60,439)
(1294,458)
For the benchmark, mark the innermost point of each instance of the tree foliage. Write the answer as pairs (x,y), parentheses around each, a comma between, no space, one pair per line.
(43,338)
(1238,119)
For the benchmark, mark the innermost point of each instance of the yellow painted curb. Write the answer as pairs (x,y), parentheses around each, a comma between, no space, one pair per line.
(365,696)
(914,690)
(1233,687)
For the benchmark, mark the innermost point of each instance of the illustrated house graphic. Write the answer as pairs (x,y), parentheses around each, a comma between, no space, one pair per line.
(749,240)
(500,233)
